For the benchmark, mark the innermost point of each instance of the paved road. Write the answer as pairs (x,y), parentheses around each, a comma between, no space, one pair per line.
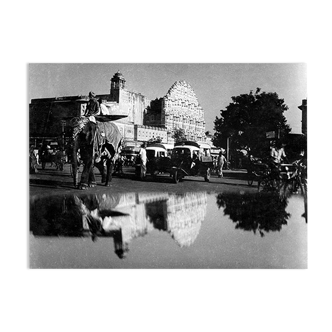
(51,181)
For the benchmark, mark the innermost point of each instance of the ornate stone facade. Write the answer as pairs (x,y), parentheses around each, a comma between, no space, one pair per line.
(178,109)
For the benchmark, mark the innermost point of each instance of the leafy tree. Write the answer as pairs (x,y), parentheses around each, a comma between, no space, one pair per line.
(247,120)
(208,133)
(179,135)
(157,139)
(295,143)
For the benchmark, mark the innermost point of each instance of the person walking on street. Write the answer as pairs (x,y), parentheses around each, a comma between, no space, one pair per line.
(142,155)
(221,161)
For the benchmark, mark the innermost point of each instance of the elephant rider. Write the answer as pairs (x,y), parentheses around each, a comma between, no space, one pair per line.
(92,108)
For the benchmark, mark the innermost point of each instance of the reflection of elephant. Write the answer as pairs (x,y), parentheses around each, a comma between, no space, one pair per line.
(98,143)
(56,216)
(251,212)
(122,217)
(76,216)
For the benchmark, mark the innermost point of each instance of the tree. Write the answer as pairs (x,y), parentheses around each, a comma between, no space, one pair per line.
(248,119)
(208,134)
(179,135)
(157,139)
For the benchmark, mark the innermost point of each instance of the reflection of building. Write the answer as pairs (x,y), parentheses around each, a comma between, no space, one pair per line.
(180,215)
(185,215)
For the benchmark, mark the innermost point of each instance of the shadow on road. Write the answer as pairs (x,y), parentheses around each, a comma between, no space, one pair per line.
(51,183)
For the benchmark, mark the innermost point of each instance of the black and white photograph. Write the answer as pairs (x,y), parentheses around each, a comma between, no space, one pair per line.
(168,165)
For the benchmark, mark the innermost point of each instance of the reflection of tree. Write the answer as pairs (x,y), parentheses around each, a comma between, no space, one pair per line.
(305,214)
(262,212)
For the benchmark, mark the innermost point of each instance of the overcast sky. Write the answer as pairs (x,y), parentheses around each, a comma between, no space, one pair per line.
(214,84)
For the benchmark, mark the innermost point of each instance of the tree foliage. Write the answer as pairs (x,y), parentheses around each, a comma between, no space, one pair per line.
(157,139)
(179,135)
(248,118)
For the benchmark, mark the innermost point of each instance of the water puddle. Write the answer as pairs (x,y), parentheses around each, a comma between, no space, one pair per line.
(165,230)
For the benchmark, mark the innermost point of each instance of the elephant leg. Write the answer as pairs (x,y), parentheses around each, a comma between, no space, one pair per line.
(75,173)
(92,179)
(74,162)
(109,172)
(86,173)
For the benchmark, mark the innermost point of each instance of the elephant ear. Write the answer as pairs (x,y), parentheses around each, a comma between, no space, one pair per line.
(112,133)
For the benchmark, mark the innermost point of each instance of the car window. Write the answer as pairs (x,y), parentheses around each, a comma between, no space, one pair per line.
(182,152)
(150,153)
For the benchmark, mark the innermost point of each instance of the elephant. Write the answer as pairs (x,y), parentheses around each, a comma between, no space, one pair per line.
(98,144)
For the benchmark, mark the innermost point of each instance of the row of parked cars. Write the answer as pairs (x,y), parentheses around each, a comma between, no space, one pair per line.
(186,159)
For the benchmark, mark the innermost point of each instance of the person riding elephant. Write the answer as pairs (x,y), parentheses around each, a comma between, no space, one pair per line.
(92,109)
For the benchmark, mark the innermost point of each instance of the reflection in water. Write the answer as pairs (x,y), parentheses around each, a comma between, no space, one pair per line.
(121,217)
(262,212)
(156,225)
(257,212)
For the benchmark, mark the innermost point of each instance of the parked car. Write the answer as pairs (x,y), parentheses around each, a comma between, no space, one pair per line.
(129,156)
(157,160)
(187,160)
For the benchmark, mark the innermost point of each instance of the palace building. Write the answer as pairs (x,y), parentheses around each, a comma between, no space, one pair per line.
(143,120)
(178,109)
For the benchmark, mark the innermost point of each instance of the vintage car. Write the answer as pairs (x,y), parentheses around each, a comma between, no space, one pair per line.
(157,160)
(188,160)
(129,155)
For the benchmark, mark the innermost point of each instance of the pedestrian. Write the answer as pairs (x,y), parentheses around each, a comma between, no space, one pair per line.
(220,162)
(32,160)
(144,159)
(215,164)
(44,153)
(60,159)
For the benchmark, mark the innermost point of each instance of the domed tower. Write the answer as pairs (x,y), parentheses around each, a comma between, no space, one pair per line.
(117,84)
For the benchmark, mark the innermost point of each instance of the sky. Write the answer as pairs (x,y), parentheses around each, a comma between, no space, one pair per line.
(213,83)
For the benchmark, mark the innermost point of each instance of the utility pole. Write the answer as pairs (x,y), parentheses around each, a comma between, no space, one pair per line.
(227,148)
(63,124)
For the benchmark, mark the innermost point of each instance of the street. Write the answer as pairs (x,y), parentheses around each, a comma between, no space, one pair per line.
(156,223)
(51,181)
